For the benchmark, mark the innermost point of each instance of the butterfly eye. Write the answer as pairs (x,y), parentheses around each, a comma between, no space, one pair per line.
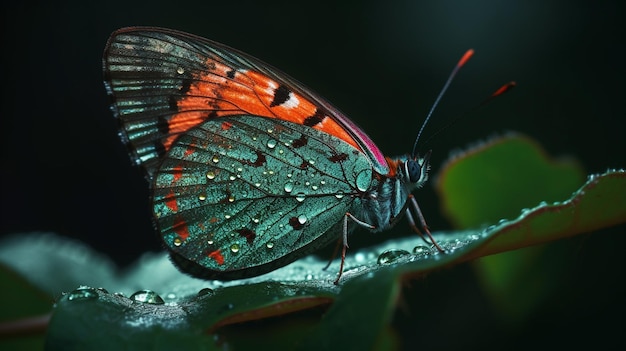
(413,170)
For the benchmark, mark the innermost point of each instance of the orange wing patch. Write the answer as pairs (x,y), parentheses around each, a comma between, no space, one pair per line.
(221,91)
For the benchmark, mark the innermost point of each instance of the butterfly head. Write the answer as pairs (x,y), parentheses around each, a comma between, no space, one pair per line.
(412,170)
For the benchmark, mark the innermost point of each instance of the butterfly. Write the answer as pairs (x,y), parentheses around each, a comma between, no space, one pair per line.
(249,169)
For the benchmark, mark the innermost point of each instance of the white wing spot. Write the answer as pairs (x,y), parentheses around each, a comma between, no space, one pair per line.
(271,87)
(291,102)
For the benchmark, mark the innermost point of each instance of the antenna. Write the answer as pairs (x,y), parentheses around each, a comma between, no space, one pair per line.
(503,89)
(458,66)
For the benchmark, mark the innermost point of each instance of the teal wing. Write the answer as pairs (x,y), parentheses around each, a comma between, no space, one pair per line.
(240,196)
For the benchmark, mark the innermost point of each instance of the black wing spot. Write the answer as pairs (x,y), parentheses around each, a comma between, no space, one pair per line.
(295,223)
(248,234)
(185,86)
(231,74)
(159,148)
(317,118)
(172,103)
(300,142)
(260,160)
(338,158)
(163,125)
(281,94)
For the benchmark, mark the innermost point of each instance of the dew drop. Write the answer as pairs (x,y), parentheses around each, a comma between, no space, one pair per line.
(300,197)
(234,248)
(289,175)
(322,182)
(271,143)
(232,177)
(239,169)
(311,162)
(257,184)
(210,175)
(180,70)
(215,159)
(202,197)
(314,187)
(83,293)
(421,250)
(339,195)
(227,216)
(210,242)
(391,255)
(231,199)
(302,219)
(178,241)
(255,220)
(288,187)
(205,291)
(147,296)
(269,245)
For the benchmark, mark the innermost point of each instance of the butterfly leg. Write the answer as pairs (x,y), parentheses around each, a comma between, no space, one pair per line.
(345,239)
(422,221)
(335,251)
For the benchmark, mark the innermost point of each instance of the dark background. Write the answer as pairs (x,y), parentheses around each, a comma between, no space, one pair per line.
(65,170)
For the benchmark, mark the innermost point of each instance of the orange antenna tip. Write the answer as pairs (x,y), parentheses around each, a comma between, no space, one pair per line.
(503,89)
(468,54)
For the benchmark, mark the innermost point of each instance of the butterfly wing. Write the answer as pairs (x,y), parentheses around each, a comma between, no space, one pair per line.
(241,195)
(164,82)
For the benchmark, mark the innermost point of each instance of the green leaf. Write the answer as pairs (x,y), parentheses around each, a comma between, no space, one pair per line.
(517,174)
(23,313)
(497,178)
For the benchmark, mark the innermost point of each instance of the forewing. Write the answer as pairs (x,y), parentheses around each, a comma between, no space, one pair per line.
(163,83)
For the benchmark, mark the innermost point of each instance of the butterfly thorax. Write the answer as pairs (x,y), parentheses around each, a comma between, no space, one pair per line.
(385,201)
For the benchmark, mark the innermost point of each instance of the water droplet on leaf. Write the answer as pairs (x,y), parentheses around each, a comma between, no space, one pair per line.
(421,250)
(391,255)
(205,291)
(147,296)
(83,293)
